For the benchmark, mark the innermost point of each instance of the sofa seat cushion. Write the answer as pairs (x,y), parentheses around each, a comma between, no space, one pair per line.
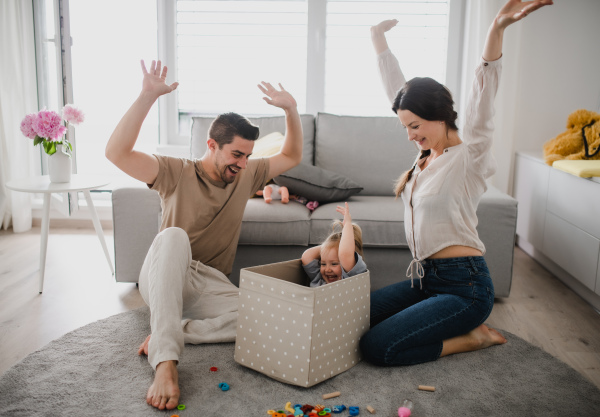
(381,219)
(275,223)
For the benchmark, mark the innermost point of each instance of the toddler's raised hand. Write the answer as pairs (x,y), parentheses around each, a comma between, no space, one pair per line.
(345,211)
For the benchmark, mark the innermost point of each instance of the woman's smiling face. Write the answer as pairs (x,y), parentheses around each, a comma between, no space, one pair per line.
(426,134)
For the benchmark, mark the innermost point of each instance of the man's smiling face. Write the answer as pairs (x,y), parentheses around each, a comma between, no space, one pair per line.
(231,159)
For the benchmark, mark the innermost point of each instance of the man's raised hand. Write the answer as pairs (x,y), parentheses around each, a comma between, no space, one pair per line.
(281,99)
(154,80)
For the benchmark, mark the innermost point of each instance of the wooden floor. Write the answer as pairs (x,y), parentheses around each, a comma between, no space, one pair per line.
(80,289)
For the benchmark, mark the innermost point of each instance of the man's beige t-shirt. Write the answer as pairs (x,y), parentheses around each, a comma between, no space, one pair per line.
(209,211)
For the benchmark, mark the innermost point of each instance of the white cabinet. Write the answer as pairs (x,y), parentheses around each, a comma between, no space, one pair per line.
(598,278)
(531,191)
(559,216)
(572,249)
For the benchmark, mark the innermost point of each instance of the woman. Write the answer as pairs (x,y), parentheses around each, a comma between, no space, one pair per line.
(444,313)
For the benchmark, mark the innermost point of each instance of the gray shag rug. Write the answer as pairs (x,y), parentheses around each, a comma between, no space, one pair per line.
(95,371)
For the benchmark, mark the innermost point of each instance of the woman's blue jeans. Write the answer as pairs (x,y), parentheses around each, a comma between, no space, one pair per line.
(409,325)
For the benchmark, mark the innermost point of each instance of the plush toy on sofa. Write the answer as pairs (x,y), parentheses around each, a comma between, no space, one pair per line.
(581,140)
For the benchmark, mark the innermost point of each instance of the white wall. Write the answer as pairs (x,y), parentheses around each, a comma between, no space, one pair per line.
(558,53)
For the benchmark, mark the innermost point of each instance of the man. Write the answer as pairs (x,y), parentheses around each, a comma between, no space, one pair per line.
(185,272)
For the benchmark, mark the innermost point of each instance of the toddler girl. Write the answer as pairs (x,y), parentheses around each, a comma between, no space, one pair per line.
(339,256)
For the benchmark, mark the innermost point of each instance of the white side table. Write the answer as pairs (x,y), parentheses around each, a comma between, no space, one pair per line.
(42,185)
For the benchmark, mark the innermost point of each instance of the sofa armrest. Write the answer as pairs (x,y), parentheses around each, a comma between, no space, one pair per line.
(136,221)
(497,215)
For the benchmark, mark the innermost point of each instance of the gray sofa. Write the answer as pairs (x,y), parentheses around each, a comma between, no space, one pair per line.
(369,151)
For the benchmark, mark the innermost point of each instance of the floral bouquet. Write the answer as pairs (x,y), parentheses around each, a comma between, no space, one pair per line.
(46,127)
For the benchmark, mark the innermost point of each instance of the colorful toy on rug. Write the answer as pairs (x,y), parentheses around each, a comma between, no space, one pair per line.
(581,140)
(406,409)
(306,410)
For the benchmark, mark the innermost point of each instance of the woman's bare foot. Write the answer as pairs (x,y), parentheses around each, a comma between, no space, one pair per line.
(164,391)
(487,336)
(478,338)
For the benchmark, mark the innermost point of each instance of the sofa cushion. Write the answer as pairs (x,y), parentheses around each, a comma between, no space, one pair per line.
(372,151)
(267,145)
(380,218)
(267,124)
(275,223)
(317,184)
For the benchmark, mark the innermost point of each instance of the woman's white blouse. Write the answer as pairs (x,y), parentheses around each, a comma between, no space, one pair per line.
(441,201)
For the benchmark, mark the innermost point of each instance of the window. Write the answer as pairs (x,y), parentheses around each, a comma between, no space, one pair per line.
(225,48)
(319,50)
(109,38)
(48,59)
(419,41)
(219,50)
(87,54)
(50,74)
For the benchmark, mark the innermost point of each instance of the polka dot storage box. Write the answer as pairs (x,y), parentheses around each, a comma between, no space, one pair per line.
(297,334)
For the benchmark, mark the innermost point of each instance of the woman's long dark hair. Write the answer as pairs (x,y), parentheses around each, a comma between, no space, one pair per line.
(429,100)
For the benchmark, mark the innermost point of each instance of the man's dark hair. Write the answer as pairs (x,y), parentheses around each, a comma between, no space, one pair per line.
(228,125)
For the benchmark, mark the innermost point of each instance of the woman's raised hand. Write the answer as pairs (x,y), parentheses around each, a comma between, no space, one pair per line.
(384,26)
(515,10)
(155,79)
(511,12)
(378,34)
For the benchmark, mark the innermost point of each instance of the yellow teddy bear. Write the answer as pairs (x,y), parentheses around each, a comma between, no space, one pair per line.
(581,140)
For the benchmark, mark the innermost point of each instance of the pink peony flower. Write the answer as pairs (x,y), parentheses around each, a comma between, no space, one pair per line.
(27,126)
(48,125)
(73,115)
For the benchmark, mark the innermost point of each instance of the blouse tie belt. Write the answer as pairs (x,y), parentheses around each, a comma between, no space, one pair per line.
(420,272)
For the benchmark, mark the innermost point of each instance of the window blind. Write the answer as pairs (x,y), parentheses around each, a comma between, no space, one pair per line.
(419,41)
(226,48)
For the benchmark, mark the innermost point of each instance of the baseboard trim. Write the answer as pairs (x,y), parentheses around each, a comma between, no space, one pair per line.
(73,223)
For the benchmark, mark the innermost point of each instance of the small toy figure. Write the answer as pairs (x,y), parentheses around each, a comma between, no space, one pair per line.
(275,192)
(311,205)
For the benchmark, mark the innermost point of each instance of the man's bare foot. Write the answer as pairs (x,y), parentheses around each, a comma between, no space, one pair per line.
(479,338)
(164,391)
(143,349)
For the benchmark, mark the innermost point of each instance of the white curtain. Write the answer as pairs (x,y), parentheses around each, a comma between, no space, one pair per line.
(478,17)
(18,97)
